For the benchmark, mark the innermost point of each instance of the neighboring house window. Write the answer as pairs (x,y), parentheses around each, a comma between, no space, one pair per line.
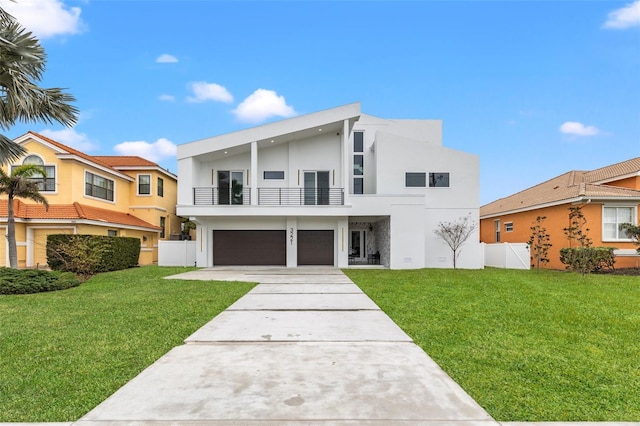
(160,187)
(230,187)
(508,227)
(612,219)
(112,233)
(497,228)
(162,225)
(438,180)
(274,174)
(45,184)
(144,184)
(98,186)
(415,179)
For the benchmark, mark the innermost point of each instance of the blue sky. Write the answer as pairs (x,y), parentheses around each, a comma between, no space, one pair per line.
(534,88)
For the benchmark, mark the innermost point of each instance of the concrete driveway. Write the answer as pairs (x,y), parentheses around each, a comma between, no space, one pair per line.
(305,346)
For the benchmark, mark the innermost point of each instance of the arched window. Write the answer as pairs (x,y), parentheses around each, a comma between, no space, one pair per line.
(45,184)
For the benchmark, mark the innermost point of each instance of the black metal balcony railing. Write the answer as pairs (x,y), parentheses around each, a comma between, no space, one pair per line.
(271,196)
(213,196)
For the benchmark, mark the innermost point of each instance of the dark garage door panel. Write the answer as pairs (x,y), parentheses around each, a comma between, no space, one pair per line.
(315,248)
(240,247)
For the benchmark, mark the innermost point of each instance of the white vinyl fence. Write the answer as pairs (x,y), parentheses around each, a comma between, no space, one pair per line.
(176,253)
(507,255)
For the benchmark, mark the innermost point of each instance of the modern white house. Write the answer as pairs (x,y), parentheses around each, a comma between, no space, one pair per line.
(335,187)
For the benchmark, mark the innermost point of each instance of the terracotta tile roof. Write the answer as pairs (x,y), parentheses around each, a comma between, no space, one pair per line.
(73,211)
(72,151)
(569,186)
(125,161)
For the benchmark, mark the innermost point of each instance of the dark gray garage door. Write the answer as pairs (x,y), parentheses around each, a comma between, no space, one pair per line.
(249,248)
(315,248)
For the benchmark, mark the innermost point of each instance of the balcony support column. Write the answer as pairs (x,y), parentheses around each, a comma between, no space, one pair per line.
(254,173)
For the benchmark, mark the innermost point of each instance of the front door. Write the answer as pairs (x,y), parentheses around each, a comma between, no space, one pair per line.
(358,246)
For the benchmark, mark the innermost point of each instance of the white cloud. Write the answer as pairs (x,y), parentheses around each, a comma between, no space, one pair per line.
(168,98)
(261,105)
(70,137)
(165,58)
(156,151)
(46,18)
(625,17)
(578,129)
(203,91)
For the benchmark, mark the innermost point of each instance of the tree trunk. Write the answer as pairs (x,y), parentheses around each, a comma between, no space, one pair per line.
(11,235)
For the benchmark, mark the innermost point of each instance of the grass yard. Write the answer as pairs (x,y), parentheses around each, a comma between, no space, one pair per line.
(527,345)
(64,352)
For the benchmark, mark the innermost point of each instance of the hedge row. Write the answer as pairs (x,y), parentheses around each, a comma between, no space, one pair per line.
(27,281)
(90,254)
(588,259)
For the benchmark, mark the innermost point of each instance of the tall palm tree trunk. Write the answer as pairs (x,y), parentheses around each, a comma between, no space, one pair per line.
(11,235)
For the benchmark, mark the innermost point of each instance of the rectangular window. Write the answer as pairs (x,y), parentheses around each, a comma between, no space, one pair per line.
(358,165)
(144,184)
(415,180)
(612,220)
(358,186)
(112,233)
(162,225)
(160,187)
(358,141)
(438,180)
(508,227)
(497,228)
(274,174)
(98,186)
(45,184)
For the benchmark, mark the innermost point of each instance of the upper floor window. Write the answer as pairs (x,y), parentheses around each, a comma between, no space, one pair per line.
(144,184)
(612,220)
(273,174)
(358,141)
(508,226)
(45,184)
(163,226)
(160,187)
(98,186)
(415,179)
(438,180)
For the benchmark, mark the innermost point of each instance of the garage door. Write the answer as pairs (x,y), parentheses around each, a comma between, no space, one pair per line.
(249,248)
(315,248)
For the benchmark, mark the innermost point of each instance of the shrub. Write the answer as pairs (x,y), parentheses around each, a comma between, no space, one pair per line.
(588,259)
(26,281)
(87,255)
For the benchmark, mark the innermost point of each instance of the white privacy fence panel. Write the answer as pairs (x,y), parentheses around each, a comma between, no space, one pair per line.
(176,253)
(507,255)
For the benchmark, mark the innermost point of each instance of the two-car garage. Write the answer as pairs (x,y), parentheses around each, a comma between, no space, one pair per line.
(269,247)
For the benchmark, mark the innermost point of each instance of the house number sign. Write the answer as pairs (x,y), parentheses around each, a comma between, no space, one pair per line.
(291,235)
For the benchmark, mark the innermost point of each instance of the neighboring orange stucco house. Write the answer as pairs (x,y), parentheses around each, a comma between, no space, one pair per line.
(100,195)
(609,196)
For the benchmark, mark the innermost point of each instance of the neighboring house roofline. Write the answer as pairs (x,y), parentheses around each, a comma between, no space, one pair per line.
(65,152)
(281,130)
(132,163)
(62,212)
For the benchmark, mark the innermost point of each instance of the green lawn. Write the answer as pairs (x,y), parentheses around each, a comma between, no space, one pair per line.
(527,345)
(64,352)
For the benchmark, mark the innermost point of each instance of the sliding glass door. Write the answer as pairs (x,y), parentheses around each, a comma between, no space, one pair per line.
(316,188)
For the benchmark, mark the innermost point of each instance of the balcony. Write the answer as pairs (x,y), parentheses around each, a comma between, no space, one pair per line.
(270,197)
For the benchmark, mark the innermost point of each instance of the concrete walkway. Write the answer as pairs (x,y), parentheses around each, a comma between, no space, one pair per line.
(305,346)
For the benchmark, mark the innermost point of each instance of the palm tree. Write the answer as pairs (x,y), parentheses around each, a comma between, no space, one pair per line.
(19,184)
(22,63)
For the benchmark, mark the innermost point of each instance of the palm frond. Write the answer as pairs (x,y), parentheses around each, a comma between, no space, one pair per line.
(9,150)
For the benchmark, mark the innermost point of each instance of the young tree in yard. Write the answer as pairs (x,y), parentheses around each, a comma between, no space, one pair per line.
(22,63)
(579,258)
(19,184)
(633,232)
(455,234)
(539,243)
